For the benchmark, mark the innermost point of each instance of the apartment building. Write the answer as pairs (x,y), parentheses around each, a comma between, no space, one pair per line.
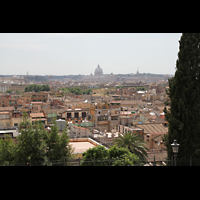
(75,114)
(104,117)
(79,132)
(42,96)
(18,87)
(50,114)
(39,117)
(4,87)
(10,117)
(36,107)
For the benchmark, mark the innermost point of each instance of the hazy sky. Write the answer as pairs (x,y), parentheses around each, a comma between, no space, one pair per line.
(80,53)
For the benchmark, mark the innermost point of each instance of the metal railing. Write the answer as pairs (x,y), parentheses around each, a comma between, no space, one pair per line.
(107,162)
(78,162)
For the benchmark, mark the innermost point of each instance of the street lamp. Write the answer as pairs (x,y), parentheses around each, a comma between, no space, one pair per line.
(175,147)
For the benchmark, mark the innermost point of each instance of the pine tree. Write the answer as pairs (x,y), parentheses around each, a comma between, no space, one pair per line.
(58,145)
(53,143)
(184,94)
(38,150)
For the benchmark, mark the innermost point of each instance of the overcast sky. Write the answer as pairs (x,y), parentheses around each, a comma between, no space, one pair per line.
(80,53)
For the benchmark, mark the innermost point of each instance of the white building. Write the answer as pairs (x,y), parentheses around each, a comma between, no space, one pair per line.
(4,87)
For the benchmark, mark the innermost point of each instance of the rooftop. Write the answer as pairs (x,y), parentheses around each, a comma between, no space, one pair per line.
(81,147)
(153,128)
(36,115)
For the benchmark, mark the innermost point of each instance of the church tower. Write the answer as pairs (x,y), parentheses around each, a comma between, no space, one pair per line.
(137,71)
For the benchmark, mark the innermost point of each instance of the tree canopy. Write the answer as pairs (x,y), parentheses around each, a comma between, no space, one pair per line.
(115,156)
(76,91)
(37,88)
(184,95)
(133,142)
(34,145)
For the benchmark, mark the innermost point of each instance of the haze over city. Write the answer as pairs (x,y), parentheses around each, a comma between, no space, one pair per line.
(80,53)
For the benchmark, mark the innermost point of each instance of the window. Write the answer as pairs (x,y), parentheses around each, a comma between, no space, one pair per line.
(114,118)
(68,115)
(103,118)
(76,115)
(83,115)
(48,120)
(15,124)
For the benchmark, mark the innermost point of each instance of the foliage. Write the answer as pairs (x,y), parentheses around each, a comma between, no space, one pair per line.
(31,146)
(87,91)
(133,142)
(58,145)
(140,88)
(99,153)
(9,91)
(184,94)
(119,155)
(76,91)
(35,145)
(115,155)
(119,86)
(37,88)
(7,150)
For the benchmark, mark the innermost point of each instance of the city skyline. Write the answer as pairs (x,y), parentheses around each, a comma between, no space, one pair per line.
(80,53)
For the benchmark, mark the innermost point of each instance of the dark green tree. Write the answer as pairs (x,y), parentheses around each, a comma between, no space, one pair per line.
(184,95)
(37,88)
(31,146)
(114,156)
(58,146)
(7,151)
(98,153)
(9,91)
(122,156)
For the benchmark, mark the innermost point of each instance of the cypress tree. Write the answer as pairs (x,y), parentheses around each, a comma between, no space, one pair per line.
(184,94)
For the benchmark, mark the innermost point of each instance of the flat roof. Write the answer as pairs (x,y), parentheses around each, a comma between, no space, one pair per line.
(36,115)
(81,147)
